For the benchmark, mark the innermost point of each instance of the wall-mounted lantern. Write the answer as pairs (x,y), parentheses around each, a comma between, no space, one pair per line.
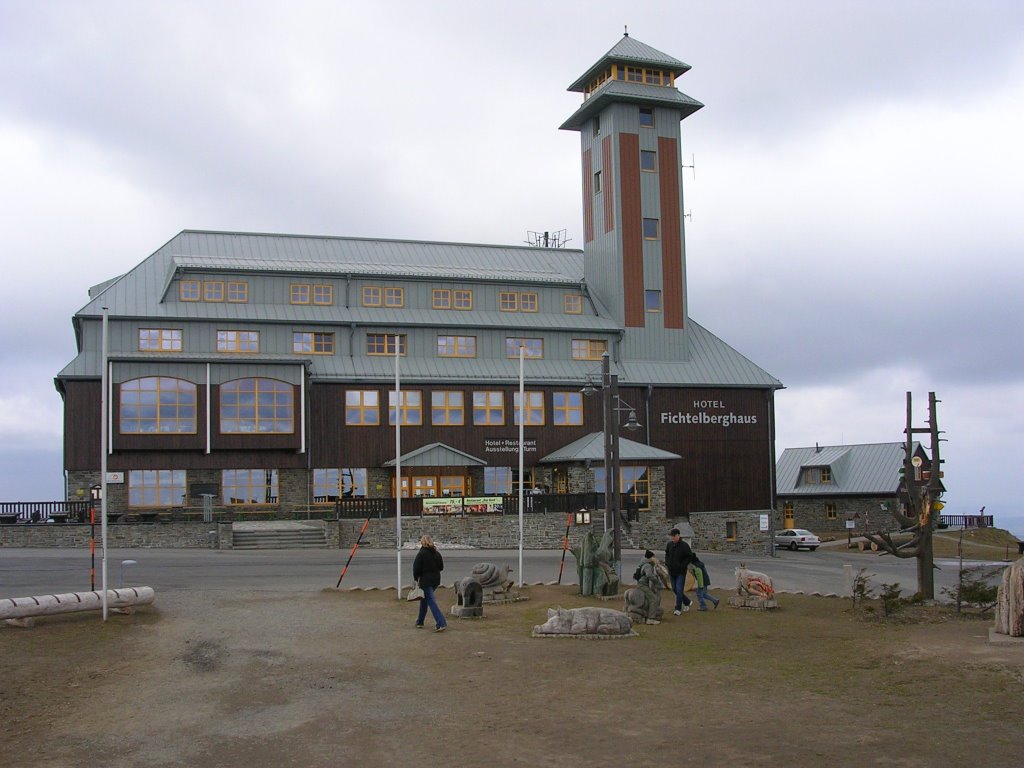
(583,517)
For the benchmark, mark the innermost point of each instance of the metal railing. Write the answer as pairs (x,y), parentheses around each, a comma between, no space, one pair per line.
(343,508)
(44,511)
(966,521)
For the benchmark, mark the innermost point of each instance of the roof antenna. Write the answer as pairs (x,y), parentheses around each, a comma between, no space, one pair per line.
(625,32)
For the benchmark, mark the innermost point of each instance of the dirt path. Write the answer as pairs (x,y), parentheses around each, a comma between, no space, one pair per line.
(336,678)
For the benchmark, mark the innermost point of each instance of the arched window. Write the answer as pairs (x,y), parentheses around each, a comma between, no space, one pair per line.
(158,404)
(256,405)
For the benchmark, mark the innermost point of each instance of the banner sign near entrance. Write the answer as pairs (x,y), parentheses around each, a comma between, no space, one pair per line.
(443,506)
(473,505)
(483,505)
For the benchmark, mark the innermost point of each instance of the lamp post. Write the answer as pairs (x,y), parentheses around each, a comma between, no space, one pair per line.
(610,431)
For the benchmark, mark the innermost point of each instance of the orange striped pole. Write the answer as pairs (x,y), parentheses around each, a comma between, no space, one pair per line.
(366,524)
(92,546)
(565,545)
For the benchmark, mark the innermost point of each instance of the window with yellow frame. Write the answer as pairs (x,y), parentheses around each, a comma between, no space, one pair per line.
(312,343)
(160,339)
(330,484)
(323,295)
(299,293)
(238,341)
(567,408)
(156,488)
(462,299)
(454,485)
(488,408)
(188,290)
(456,346)
(373,296)
(213,290)
(441,298)
(634,485)
(572,303)
(394,296)
(447,408)
(238,292)
(508,301)
(588,349)
(249,486)
(384,343)
(533,409)
(533,349)
(411,408)
(362,408)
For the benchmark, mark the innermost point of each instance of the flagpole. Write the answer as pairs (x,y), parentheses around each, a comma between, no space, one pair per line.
(522,423)
(104,411)
(398,471)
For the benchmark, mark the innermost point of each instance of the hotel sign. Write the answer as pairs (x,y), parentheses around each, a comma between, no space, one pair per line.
(711,412)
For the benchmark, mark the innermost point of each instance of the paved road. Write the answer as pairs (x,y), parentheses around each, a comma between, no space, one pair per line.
(26,572)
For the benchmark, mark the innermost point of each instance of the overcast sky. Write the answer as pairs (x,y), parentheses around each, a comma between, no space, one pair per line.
(855,203)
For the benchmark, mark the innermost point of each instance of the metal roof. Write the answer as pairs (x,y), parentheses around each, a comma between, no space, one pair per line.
(138,295)
(140,291)
(437,455)
(872,468)
(591,448)
(629,50)
(637,93)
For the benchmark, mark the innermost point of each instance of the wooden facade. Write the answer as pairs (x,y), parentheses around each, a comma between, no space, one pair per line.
(724,436)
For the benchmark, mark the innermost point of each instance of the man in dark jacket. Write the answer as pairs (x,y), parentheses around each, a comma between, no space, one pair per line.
(678,556)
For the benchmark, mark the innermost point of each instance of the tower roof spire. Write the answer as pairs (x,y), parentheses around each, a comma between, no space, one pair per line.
(635,72)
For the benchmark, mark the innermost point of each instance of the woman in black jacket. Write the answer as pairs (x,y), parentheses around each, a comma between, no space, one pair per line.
(426,572)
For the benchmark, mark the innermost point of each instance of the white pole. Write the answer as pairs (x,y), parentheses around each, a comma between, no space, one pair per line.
(104,407)
(398,472)
(522,423)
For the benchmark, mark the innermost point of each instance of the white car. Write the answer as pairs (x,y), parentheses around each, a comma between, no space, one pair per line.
(795,538)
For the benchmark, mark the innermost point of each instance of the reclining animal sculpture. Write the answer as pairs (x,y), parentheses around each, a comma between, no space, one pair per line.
(585,621)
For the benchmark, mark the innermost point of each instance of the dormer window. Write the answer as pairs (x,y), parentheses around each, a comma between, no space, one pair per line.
(826,475)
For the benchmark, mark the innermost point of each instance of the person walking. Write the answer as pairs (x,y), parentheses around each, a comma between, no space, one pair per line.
(700,577)
(678,556)
(426,572)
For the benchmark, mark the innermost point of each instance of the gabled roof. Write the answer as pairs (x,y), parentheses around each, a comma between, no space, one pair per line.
(438,455)
(140,293)
(872,468)
(629,50)
(591,448)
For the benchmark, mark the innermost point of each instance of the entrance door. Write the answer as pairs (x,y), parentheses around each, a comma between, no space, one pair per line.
(561,480)
(788,519)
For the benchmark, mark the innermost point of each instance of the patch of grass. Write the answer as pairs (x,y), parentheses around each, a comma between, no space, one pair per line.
(978,544)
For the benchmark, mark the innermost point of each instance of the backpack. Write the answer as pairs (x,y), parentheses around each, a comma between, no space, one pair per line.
(638,572)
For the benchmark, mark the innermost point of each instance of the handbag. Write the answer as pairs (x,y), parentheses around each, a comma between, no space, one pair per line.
(415,594)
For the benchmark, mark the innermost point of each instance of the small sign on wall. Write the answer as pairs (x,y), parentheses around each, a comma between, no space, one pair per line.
(850,524)
(115,477)
(764,522)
